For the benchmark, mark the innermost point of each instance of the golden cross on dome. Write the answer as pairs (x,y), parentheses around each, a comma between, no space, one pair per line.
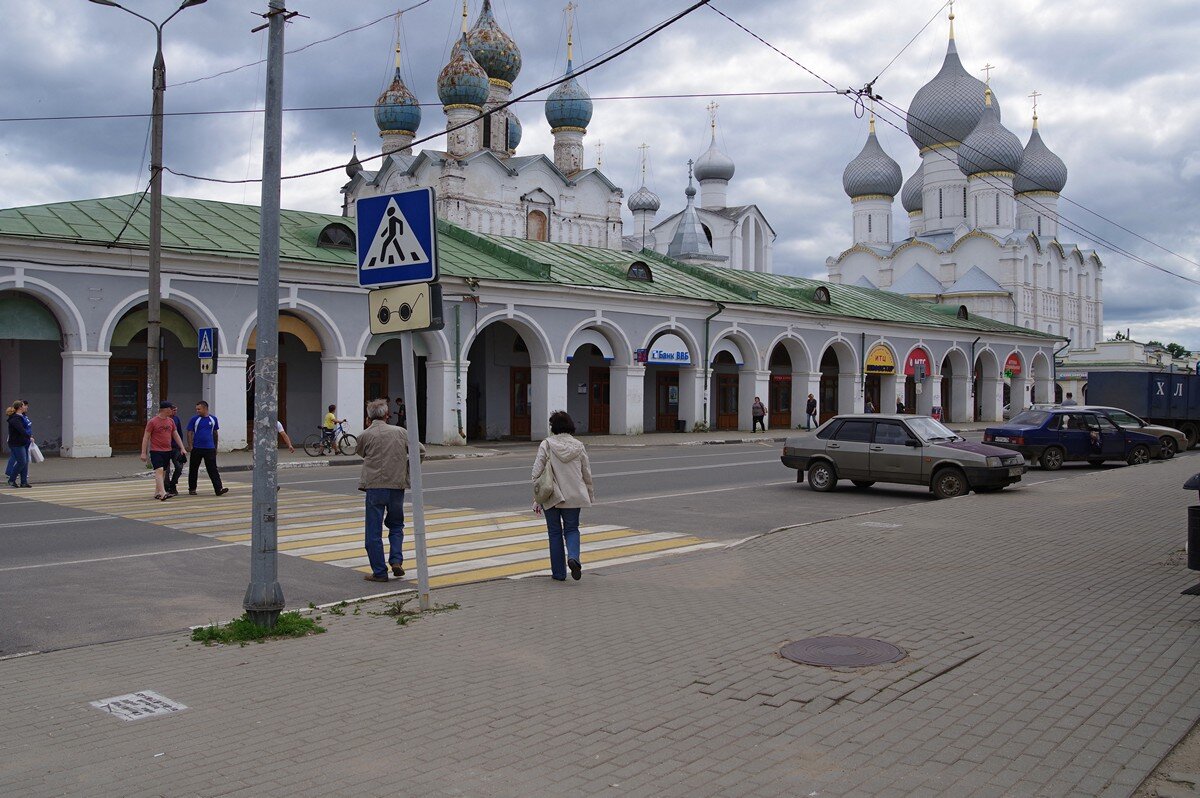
(952,19)
(464,22)
(398,15)
(599,153)
(987,70)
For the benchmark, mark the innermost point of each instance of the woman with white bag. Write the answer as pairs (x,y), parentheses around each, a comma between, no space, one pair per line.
(562,486)
(20,436)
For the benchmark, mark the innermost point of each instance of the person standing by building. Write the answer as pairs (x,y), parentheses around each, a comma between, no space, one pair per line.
(810,412)
(178,458)
(1070,400)
(157,441)
(401,413)
(870,407)
(759,412)
(20,434)
(330,423)
(899,405)
(571,477)
(202,434)
(384,450)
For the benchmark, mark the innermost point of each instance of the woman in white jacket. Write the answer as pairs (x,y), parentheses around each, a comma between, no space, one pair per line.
(568,462)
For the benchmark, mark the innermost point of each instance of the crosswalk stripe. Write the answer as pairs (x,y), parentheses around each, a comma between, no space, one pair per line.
(463,544)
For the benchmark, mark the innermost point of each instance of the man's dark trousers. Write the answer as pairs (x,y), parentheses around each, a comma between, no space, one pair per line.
(209,456)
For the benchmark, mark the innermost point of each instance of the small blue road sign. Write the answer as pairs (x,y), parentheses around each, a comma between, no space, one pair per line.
(397,238)
(206,342)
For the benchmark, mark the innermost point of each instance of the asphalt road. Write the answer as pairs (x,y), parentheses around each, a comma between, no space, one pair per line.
(72,577)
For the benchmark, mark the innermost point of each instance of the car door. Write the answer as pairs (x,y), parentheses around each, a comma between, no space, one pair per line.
(850,449)
(893,457)
(1112,439)
(1075,434)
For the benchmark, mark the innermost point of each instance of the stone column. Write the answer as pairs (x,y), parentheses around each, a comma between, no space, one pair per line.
(85,404)
(992,400)
(225,393)
(691,396)
(342,385)
(752,383)
(549,384)
(442,403)
(627,393)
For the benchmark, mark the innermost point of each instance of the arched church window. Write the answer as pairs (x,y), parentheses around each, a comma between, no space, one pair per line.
(536,226)
(487,131)
(1028,274)
(336,236)
(962,314)
(640,270)
(707,233)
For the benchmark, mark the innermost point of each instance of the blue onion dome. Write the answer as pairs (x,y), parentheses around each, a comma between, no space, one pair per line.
(493,49)
(644,200)
(1041,169)
(714,164)
(397,109)
(462,82)
(912,196)
(990,147)
(514,132)
(872,172)
(946,109)
(569,105)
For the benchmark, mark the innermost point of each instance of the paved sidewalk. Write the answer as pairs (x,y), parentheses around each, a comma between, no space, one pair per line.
(1049,653)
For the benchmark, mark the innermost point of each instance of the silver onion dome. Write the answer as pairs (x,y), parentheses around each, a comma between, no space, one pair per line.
(946,109)
(714,164)
(1041,169)
(644,200)
(872,171)
(912,196)
(990,147)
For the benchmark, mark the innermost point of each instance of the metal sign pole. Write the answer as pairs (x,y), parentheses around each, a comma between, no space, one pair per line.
(414,467)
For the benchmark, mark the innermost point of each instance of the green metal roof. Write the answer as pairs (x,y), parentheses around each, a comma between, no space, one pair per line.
(229,230)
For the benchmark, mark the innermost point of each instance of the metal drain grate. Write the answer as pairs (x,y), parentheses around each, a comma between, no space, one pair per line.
(842,652)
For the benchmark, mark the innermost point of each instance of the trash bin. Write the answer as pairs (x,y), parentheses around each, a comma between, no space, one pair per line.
(680,425)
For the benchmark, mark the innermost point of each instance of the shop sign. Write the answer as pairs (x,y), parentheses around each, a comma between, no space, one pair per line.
(880,360)
(917,357)
(1012,366)
(670,350)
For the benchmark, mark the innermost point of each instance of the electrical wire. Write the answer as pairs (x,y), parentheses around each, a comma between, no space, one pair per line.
(936,14)
(594,64)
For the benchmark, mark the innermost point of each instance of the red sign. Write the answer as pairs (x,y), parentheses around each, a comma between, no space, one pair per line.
(917,357)
(1013,364)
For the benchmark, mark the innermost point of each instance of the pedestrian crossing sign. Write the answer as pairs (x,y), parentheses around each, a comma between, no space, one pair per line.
(397,238)
(206,342)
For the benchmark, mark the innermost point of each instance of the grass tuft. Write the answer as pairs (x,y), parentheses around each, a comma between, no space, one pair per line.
(243,630)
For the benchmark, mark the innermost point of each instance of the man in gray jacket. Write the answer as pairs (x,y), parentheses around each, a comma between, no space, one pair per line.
(384,450)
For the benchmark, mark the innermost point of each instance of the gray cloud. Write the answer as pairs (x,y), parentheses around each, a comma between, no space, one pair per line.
(1111,76)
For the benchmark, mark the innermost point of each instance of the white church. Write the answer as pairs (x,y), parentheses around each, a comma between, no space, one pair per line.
(983,217)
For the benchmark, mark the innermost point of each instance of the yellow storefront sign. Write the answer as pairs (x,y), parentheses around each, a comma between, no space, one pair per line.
(880,360)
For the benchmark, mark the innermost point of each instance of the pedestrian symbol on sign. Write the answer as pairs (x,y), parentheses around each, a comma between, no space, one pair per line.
(394,243)
(206,348)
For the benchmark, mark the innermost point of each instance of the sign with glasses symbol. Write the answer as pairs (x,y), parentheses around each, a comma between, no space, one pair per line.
(406,307)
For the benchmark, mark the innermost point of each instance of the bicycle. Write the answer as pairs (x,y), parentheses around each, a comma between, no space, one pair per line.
(339,442)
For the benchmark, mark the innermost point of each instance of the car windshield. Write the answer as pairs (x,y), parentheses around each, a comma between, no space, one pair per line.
(930,430)
(1123,418)
(1032,418)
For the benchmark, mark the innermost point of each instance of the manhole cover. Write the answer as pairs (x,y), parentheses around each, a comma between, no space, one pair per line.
(845,652)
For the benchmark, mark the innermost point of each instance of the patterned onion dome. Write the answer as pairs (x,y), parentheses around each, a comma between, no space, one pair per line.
(493,49)
(714,164)
(1041,169)
(872,171)
(462,82)
(644,200)
(947,108)
(991,147)
(912,196)
(514,132)
(397,108)
(569,105)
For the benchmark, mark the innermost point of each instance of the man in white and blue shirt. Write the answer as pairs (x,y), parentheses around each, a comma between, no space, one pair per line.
(202,440)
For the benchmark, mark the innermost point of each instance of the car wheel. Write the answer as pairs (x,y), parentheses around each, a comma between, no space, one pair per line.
(1139,454)
(821,477)
(1052,458)
(863,483)
(1169,447)
(949,482)
(1192,432)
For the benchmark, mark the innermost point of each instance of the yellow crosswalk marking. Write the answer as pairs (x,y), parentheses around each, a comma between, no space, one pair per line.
(464,545)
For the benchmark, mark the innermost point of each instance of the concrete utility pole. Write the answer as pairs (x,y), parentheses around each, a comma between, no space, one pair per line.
(264,596)
(158,82)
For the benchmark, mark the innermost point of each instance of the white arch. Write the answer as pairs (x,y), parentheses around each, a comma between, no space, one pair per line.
(319,320)
(195,312)
(200,306)
(744,343)
(960,361)
(840,346)
(1040,366)
(622,350)
(524,324)
(70,320)
(434,340)
(992,360)
(327,321)
(692,344)
(890,347)
(794,345)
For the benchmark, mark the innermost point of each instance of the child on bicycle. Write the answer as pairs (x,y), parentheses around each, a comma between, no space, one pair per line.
(330,424)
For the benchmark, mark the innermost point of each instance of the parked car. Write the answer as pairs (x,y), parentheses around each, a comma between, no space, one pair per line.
(1172,440)
(1055,436)
(866,448)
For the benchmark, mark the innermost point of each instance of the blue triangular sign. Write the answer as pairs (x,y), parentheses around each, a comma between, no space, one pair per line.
(206,349)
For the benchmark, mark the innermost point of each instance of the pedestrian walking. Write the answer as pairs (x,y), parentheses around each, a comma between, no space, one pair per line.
(20,435)
(282,433)
(759,412)
(384,450)
(899,405)
(178,457)
(160,435)
(810,412)
(401,413)
(567,490)
(202,433)
(870,407)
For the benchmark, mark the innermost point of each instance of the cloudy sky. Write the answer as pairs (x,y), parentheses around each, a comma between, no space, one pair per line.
(1117,105)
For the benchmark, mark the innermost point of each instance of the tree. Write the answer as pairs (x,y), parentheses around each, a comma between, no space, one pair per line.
(1177,350)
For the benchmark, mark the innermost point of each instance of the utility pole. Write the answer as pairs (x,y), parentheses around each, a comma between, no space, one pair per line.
(264,596)
(158,83)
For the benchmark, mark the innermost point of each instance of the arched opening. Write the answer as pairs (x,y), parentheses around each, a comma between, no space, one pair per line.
(918,368)
(179,372)
(31,364)
(838,373)
(725,391)
(779,394)
(299,380)
(537,227)
(987,388)
(955,387)
(879,384)
(383,378)
(500,383)
(668,384)
(589,389)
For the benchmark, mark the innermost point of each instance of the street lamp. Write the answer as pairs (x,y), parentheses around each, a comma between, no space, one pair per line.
(158,81)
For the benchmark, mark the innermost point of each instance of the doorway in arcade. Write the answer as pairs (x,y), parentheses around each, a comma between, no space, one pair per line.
(179,373)
(299,405)
(588,390)
(31,364)
(879,386)
(779,393)
(668,403)
(383,376)
(499,385)
(725,391)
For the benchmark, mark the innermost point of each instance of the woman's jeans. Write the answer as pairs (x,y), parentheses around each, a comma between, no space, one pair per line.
(18,465)
(563,526)
(811,421)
